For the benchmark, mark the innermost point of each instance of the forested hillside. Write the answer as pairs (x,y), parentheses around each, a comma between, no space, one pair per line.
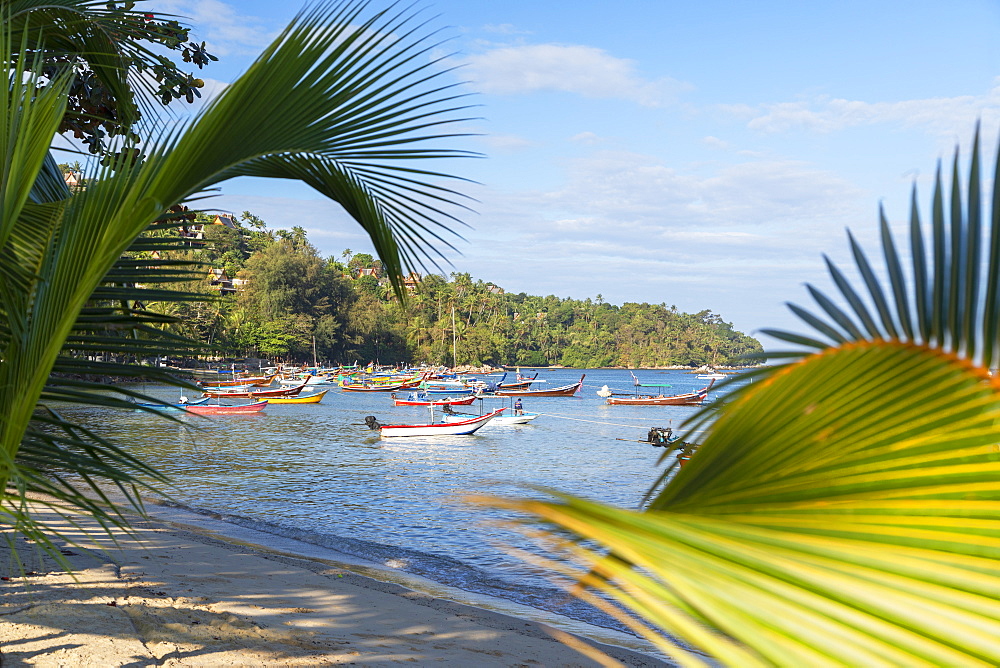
(286,297)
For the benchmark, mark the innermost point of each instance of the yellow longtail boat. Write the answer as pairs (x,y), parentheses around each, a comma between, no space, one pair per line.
(308,399)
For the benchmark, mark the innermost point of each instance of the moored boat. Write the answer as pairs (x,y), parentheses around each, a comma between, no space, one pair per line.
(424,399)
(683,399)
(217,409)
(254,394)
(307,399)
(564,391)
(176,406)
(259,381)
(522,383)
(365,387)
(458,428)
(501,420)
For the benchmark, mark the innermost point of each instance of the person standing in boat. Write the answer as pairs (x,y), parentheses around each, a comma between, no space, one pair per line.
(518,408)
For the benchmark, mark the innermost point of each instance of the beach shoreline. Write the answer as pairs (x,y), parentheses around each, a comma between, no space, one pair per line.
(179,597)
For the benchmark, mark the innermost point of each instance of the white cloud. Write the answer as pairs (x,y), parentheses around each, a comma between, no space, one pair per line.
(226,31)
(505,29)
(582,70)
(587,138)
(715,142)
(505,143)
(827,114)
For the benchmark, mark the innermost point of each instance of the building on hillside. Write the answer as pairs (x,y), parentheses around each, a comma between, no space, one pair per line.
(494,289)
(411,281)
(358,272)
(196,232)
(218,279)
(73,180)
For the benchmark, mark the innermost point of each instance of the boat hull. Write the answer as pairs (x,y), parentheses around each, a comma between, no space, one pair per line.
(173,406)
(565,391)
(692,399)
(463,401)
(460,428)
(255,394)
(209,409)
(686,399)
(308,399)
(508,420)
(239,382)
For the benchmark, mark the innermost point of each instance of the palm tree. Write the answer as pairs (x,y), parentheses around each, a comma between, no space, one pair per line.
(844,508)
(343,102)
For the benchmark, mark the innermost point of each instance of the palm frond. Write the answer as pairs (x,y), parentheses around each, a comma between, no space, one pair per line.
(856,525)
(360,103)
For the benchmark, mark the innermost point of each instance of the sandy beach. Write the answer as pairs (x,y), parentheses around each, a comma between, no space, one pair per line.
(170,597)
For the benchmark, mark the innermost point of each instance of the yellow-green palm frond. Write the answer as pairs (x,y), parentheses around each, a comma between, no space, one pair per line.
(830,517)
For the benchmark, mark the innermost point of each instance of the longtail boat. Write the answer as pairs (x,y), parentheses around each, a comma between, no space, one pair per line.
(522,383)
(176,406)
(423,399)
(254,394)
(684,399)
(259,381)
(564,391)
(363,387)
(308,399)
(216,409)
(460,428)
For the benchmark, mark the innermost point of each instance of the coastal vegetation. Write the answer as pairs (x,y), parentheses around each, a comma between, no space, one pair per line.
(843,511)
(287,303)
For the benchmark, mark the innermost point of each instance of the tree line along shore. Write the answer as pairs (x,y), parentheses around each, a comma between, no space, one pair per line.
(269,293)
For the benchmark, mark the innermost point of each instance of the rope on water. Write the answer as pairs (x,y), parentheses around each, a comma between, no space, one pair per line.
(613,424)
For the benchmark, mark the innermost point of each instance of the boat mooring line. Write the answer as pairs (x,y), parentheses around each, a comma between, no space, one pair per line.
(613,424)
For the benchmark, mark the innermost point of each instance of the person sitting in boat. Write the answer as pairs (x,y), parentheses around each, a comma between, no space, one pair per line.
(183,400)
(518,408)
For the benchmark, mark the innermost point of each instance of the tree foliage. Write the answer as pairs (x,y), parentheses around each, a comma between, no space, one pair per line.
(75,270)
(291,296)
(115,53)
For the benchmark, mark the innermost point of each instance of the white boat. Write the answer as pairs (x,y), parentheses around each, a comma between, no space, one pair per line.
(458,428)
(711,376)
(506,420)
(310,380)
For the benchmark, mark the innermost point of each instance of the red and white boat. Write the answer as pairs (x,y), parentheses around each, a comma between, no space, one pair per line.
(216,409)
(423,399)
(460,428)
(222,393)
(259,381)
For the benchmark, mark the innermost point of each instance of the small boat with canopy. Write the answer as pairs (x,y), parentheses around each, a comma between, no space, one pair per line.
(648,399)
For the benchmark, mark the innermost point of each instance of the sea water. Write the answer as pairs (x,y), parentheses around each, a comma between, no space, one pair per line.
(316,474)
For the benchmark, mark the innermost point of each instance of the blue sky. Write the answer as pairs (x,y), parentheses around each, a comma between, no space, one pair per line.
(703,154)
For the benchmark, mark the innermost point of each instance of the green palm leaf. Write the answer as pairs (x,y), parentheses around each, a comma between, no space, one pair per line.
(359,106)
(856,524)
(843,508)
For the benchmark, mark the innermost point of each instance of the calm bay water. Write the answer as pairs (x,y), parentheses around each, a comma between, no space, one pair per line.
(317,474)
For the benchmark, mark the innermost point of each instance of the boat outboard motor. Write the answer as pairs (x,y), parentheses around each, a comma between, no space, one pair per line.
(372,423)
(659,436)
(490,387)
